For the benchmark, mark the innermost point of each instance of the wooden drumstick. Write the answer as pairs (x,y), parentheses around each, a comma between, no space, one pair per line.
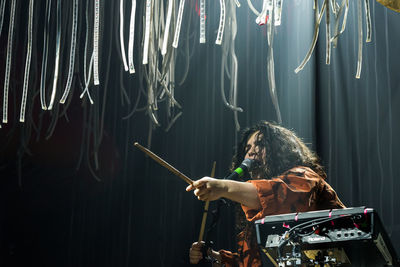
(206,205)
(164,163)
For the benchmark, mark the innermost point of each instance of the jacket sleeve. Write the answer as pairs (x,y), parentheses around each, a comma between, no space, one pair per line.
(297,190)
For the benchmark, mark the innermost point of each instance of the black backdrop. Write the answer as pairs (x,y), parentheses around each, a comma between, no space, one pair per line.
(138,214)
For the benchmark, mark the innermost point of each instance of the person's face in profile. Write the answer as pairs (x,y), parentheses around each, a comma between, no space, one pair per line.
(255,150)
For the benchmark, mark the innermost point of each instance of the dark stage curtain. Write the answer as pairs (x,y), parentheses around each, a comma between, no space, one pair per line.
(357,118)
(136,213)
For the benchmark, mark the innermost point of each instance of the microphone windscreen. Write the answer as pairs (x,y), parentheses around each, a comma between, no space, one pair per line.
(248,164)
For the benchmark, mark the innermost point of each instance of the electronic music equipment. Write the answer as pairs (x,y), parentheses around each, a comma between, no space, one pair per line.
(351,236)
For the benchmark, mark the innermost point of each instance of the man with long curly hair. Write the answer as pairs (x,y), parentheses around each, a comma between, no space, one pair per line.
(287,178)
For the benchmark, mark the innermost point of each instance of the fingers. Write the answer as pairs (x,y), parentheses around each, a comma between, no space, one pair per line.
(207,188)
(195,259)
(202,193)
(195,253)
(198,245)
(196,184)
(189,187)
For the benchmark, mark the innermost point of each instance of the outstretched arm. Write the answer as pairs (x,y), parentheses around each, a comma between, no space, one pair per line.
(208,188)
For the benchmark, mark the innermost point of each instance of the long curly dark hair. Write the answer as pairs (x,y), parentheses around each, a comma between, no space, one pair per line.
(284,150)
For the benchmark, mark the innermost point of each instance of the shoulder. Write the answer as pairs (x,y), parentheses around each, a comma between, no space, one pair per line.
(301,171)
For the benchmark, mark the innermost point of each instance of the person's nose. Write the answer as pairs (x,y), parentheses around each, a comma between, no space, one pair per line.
(250,153)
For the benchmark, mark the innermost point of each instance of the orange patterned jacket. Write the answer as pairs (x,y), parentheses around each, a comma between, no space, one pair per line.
(299,189)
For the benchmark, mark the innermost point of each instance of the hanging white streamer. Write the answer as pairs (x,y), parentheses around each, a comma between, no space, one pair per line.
(318,17)
(167,26)
(346,11)
(263,16)
(57,59)
(45,56)
(121,33)
(234,64)
(334,7)
(132,37)
(159,20)
(147,33)
(171,83)
(368,20)
(202,21)
(271,65)
(335,37)
(228,51)
(252,8)
(96,80)
(360,36)
(2,9)
(178,24)
(269,17)
(328,36)
(87,74)
(72,52)
(221,22)
(278,12)
(8,61)
(87,81)
(27,63)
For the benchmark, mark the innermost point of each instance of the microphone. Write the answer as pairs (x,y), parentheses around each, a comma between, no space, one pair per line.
(244,167)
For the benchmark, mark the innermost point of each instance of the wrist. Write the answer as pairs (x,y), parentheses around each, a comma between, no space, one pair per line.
(224,188)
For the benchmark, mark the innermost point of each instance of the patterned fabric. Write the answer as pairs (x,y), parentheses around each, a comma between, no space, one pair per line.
(299,189)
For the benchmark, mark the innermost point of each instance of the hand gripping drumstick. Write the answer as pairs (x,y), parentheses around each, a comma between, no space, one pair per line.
(164,163)
(203,221)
